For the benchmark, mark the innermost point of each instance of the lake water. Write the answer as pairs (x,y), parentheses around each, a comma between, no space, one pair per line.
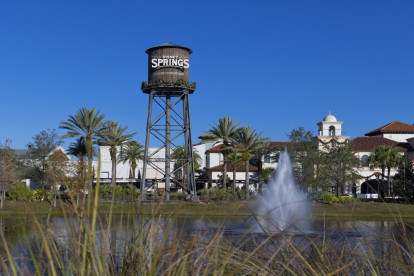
(378,236)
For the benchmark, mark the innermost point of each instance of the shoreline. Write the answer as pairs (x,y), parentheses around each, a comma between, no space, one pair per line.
(352,211)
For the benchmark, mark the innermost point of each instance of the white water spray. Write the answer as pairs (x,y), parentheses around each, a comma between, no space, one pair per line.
(283,206)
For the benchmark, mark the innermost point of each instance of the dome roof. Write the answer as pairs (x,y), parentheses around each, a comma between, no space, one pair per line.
(329,118)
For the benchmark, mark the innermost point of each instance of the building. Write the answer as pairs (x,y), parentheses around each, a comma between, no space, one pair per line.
(398,134)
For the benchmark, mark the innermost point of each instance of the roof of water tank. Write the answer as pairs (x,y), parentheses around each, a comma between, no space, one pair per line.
(168,45)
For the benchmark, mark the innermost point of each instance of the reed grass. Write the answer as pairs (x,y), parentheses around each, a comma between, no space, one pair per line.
(138,242)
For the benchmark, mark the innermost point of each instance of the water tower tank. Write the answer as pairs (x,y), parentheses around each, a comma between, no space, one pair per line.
(168,62)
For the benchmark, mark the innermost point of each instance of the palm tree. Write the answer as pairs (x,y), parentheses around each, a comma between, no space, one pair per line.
(379,160)
(78,149)
(113,136)
(235,158)
(248,141)
(88,123)
(260,153)
(392,160)
(180,155)
(223,132)
(131,152)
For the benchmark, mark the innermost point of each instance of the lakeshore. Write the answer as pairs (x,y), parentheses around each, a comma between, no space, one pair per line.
(355,210)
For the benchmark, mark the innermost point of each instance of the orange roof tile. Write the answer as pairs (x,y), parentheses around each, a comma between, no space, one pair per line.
(393,127)
(239,168)
(274,145)
(370,143)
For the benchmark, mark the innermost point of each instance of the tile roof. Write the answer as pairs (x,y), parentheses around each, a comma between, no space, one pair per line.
(275,145)
(370,143)
(20,152)
(239,168)
(393,127)
(280,145)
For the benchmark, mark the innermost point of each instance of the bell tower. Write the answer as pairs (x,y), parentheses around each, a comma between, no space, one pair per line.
(330,129)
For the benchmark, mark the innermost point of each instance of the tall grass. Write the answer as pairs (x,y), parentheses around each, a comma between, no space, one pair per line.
(87,242)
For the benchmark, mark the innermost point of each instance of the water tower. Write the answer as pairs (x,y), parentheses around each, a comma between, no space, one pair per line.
(168,88)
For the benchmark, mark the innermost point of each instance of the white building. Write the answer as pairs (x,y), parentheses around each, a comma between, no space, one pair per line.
(398,134)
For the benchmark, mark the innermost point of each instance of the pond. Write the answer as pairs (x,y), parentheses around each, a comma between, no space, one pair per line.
(377,239)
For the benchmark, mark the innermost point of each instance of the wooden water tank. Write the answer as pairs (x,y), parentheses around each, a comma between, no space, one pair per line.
(168,62)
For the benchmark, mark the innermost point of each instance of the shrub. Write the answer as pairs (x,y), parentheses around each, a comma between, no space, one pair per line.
(178,196)
(42,194)
(324,197)
(21,192)
(328,198)
(109,189)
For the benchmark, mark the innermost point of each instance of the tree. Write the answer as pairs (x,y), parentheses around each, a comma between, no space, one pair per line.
(58,172)
(78,149)
(378,159)
(248,141)
(392,160)
(306,157)
(41,146)
(223,132)
(88,123)
(235,158)
(258,155)
(7,170)
(267,173)
(179,155)
(339,165)
(112,135)
(131,152)
(404,179)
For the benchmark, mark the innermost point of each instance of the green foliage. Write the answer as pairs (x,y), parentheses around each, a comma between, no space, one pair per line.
(216,193)
(268,173)
(328,198)
(178,196)
(305,154)
(404,179)
(41,146)
(109,189)
(42,194)
(21,192)
(339,166)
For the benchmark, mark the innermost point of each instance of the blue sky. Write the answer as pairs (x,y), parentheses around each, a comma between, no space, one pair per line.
(274,65)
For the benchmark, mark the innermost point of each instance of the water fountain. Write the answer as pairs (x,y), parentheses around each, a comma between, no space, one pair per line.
(283,205)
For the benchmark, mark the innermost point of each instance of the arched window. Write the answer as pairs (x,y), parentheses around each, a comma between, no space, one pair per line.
(331,131)
(365,160)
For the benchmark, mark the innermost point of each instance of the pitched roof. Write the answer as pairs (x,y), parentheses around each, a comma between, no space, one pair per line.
(20,152)
(239,168)
(393,127)
(280,145)
(274,145)
(370,143)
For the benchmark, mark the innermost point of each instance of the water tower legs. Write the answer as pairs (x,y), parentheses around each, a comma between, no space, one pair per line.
(176,130)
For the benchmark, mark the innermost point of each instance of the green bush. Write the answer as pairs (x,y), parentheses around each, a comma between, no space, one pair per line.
(109,189)
(21,192)
(42,194)
(328,198)
(178,196)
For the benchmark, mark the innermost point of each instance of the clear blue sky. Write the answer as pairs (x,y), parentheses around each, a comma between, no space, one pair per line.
(274,65)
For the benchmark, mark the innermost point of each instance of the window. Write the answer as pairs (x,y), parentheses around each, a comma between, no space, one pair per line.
(365,160)
(276,158)
(267,159)
(104,174)
(208,160)
(331,131)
